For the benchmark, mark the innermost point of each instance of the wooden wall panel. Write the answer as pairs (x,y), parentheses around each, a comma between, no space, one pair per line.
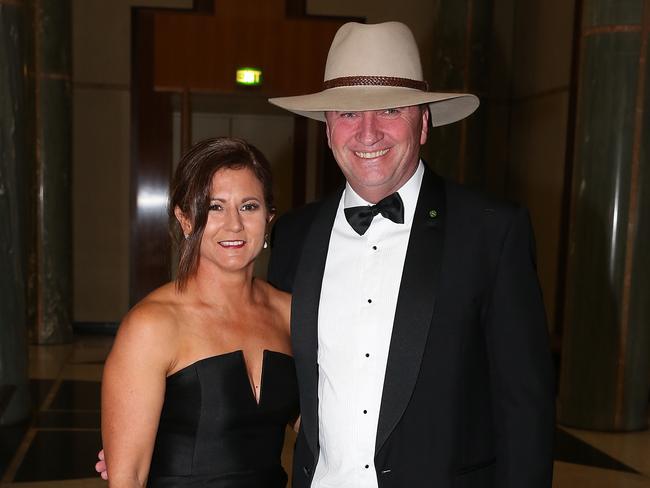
(201,53)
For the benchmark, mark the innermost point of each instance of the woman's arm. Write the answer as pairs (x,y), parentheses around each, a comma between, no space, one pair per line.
(133,389)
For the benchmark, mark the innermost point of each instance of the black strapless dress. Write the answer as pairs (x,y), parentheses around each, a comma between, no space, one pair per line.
(212,431)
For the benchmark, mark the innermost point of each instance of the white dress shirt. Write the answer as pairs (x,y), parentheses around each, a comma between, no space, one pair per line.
(355,321)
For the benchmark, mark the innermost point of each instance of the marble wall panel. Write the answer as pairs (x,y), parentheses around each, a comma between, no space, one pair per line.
(50,298)
(589,390)
(638,318)
(15,178)
(612,12)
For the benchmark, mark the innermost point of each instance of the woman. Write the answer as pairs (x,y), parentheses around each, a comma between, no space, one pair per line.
(200,383)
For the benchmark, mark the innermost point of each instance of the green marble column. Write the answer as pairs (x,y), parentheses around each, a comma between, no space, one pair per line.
(14,214)
(606,348)
(462,30)
(50,283)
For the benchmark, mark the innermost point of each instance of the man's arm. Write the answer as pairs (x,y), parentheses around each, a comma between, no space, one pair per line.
(520,364)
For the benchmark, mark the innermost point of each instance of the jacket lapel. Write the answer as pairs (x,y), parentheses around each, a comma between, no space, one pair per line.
(415,304)
(304,315)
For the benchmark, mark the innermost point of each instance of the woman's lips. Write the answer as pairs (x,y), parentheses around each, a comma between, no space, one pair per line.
(232,244)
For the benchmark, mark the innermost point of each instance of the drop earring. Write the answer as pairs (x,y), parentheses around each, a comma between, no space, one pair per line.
(266,241)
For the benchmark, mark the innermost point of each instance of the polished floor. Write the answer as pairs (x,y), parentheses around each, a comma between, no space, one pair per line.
(58,445)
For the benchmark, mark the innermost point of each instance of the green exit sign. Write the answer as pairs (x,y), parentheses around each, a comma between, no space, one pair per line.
(249,76)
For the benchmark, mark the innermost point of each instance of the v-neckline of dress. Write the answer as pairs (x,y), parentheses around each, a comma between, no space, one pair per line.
(257,399)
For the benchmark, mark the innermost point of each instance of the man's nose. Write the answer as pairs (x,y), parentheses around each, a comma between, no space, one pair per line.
(370,130)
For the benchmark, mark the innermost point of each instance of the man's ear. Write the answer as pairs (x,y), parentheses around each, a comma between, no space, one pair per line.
(185,223)
(425,125)
(327,132)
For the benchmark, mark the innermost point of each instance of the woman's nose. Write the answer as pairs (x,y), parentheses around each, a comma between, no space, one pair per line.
(234,221)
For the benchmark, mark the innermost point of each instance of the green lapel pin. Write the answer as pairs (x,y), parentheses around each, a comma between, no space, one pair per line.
(433,213)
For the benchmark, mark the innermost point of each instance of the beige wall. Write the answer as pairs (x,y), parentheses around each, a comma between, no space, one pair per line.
(101,73)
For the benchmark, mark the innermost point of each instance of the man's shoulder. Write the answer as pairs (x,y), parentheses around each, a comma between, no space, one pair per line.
(298,221)
(287,239)
(301,216)
(464,199)
(474,215)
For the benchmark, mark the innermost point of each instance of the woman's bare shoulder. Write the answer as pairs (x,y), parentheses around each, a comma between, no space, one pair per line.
(278,300)
(153,322)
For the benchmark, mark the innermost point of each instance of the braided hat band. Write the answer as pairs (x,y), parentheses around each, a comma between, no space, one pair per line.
(375,81)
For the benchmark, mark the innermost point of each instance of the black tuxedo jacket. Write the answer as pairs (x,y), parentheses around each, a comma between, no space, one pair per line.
(468,398)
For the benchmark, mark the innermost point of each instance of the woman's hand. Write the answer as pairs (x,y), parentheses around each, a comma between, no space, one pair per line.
(100,466)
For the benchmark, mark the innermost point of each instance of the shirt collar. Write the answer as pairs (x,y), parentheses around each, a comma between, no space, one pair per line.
(409,193)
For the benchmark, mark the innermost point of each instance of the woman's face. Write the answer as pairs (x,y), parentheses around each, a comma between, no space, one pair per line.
(237,220)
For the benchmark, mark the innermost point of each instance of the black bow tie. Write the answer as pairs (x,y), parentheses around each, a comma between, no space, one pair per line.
(390,207)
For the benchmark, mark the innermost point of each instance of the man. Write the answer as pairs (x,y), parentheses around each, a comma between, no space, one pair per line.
(418,326)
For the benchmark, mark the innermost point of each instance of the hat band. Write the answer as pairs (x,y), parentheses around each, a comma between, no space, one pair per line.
(375,81)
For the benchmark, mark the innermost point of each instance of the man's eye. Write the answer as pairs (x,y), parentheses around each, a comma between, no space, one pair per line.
(391,111)
(347,115)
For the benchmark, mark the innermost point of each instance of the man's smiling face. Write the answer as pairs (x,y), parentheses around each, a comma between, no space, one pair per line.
(377,150)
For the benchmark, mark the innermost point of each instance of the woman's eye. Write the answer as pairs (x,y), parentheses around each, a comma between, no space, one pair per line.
(250,206)
(215,206)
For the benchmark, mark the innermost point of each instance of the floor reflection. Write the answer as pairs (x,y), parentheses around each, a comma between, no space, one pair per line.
(58,445)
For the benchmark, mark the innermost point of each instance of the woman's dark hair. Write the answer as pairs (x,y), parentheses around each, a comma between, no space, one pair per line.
(191,186)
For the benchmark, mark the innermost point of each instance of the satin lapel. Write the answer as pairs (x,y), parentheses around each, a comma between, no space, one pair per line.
(415,304)
(304,315)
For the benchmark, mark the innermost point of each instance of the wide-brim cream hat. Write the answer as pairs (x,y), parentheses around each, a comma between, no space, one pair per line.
(374,67)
